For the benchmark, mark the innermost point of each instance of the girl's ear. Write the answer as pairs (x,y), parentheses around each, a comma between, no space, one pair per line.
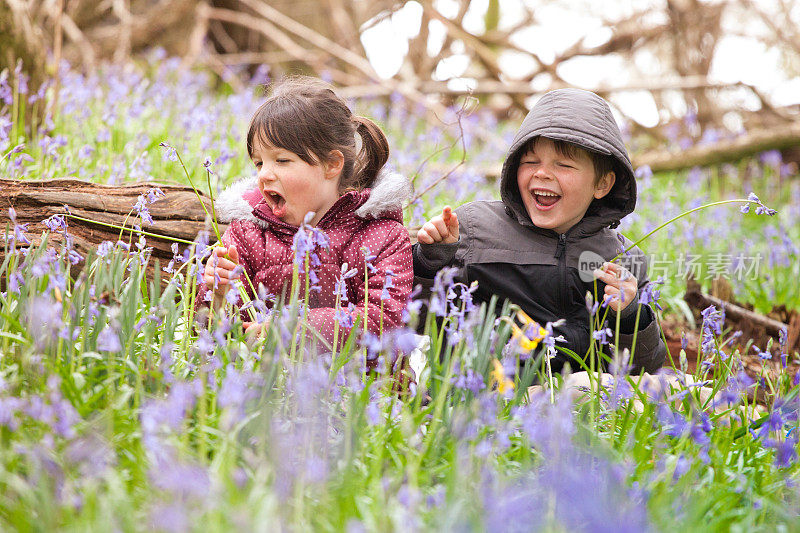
(604,185)
(334,164)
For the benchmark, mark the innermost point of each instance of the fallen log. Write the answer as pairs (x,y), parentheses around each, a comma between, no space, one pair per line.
(747,145)
(95,207)
(736,313)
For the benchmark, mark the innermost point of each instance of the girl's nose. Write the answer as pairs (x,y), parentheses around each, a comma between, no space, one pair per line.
(265,173)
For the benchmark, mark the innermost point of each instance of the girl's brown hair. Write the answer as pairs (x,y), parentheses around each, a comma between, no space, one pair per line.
(305,116)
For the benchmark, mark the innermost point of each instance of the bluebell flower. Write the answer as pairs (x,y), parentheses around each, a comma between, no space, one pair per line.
(441,285)
(104,248)
(204,343)
(785,450)
(603,335)
(387,284)
(765,355)
(108,340)
(591,305)
(19,229)
(713,319)
(56,223)
(373,413)
(169,151)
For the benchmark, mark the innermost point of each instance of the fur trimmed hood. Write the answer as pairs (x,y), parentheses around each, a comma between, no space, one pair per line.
(385,198)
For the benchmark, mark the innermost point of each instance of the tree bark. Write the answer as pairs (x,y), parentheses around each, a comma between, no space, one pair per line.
(178,214)
(755,142)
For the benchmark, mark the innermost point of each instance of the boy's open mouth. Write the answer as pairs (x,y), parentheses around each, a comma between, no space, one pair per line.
(545,199)
(276,202)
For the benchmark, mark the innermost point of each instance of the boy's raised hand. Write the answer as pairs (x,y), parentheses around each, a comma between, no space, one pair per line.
(440,229)
(621,285)
(223,267)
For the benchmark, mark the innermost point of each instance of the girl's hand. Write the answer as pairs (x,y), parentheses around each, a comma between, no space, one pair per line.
(620,284)
(440,229)
(255,330)
(223,267)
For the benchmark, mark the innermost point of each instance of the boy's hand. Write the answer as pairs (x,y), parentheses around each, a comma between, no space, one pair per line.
(440,229)
(223,267)
(620,284)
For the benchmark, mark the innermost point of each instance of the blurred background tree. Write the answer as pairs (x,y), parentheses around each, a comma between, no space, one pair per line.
(662,54)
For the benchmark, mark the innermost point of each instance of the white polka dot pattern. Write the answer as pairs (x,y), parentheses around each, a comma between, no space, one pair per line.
(267,257)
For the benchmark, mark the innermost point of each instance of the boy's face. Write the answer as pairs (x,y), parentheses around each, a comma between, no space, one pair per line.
(557,189)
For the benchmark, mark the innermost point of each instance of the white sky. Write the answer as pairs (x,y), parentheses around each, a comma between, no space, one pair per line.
(737,58)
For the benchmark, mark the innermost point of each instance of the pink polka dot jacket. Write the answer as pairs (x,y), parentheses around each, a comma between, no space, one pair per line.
(360,225)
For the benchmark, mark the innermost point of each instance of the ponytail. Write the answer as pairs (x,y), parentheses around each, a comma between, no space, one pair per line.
(373,154)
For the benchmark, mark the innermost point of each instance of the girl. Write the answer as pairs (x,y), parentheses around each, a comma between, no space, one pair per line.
(312,155)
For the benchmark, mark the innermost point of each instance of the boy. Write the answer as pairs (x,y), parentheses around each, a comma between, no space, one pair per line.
(565,184)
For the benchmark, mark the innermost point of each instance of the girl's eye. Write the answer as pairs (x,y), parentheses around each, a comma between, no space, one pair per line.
(283,160)
(257,164)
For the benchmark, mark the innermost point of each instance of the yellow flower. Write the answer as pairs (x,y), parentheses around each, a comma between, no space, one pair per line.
(499,378)
(525,343)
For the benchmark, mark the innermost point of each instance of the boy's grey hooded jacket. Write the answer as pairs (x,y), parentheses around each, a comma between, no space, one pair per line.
(548,274)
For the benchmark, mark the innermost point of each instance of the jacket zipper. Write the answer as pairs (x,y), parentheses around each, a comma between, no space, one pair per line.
(561,255)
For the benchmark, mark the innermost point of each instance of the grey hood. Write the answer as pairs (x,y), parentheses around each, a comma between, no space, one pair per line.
(585,119)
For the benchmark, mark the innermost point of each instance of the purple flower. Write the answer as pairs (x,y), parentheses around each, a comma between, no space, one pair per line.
(591,305)
(172,517)
(673,423)
(713,319)
(44,319)
(108,340)
(761,209)
(19,229)
(470,380)
(373,413)
(169,152)
(387,284)
(785,450)
(644,172)
(603,336)
(772,158)
(104,248)
(56,223)
(765,355)
(204,343)
(650,294)
(181,479)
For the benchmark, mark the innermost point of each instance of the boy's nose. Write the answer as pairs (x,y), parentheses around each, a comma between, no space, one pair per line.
(542,172)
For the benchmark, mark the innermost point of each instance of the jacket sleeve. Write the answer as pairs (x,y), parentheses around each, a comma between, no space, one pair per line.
(431,258)
(650,352)
(384,311)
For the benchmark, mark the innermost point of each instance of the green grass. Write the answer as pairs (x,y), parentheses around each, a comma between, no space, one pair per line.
(166,431)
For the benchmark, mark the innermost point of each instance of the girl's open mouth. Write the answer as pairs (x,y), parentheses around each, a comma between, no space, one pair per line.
(276,202)
(545,200)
